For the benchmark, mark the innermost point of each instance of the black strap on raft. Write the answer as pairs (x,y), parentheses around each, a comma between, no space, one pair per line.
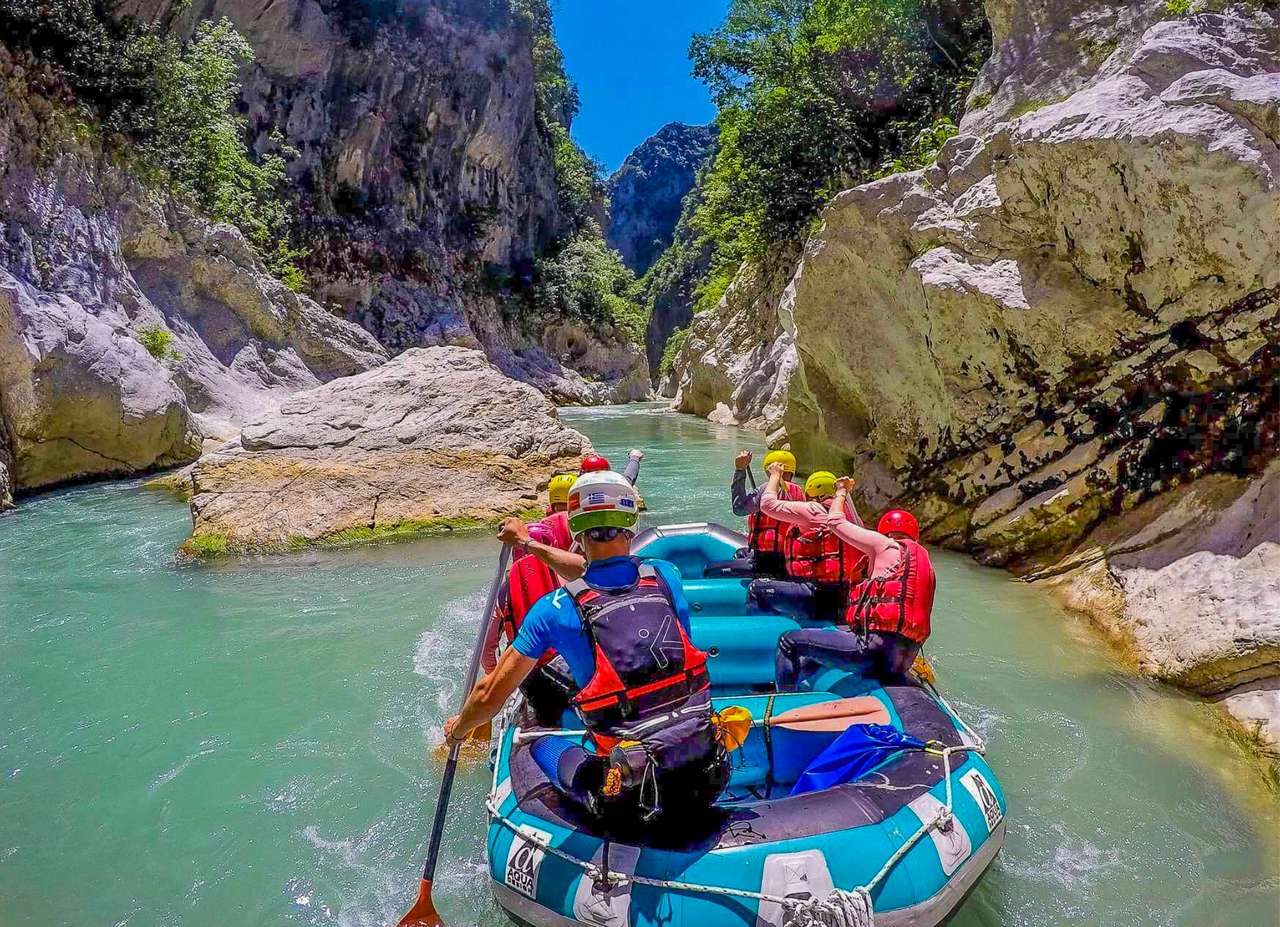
(768,742)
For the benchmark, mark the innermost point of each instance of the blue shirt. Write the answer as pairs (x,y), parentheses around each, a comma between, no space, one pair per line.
(553,623)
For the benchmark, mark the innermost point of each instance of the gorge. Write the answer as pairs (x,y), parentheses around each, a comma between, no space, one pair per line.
(1051,329)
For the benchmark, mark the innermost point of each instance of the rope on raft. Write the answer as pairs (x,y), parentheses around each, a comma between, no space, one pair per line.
(839,908)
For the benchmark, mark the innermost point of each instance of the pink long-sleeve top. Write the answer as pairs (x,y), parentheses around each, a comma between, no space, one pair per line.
(883,552)
(805,514)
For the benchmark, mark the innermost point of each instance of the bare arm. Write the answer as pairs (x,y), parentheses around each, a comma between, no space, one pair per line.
(565,563)
(489,649)
(489,695)
(882,552)
(804,514)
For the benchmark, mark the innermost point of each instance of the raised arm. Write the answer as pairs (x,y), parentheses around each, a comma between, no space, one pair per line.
(744,503)
(565,563)
(882,552)
(804,514)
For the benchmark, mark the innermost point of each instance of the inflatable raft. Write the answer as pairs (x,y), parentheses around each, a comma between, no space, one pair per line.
(900,846)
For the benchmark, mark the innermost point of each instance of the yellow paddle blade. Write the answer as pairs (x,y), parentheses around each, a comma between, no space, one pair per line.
(923,670)
(474,749)
(733,724)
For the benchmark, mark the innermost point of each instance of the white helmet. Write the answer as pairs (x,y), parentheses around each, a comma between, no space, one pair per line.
(602,499)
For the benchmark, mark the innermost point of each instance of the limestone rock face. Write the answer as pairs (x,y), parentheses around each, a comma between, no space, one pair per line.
(436,437)
(1191,579)
(1052,340)
(6,481)
(1060,343)
(423,177)
(738,361)
(645,193)
(92,265)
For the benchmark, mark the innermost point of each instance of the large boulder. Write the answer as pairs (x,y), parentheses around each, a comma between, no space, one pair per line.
(433,440)
(131,330)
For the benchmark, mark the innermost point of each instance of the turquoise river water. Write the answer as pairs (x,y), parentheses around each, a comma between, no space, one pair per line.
(249,743)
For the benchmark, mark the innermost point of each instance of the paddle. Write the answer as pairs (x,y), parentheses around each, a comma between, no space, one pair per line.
(835,715)
(423,913)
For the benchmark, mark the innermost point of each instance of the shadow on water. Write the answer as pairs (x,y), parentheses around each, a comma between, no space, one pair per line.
(248,743)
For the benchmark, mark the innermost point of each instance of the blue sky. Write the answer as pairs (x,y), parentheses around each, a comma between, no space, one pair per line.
(631,63)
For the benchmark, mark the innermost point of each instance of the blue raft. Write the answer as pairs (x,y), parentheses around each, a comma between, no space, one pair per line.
(909,839)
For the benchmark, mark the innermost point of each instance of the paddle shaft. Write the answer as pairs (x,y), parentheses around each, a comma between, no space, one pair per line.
(451,765)
(751,478)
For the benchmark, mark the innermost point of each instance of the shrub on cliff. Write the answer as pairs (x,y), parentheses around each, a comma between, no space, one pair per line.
(586,279)
(175,101)
(814,94)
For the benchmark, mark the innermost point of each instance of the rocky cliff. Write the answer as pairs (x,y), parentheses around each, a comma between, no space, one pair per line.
(427,190)
(646,192)
(433,440)
(1059,343)
(131,330)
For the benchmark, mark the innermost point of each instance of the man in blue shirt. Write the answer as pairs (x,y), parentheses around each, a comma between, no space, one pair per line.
(644,692)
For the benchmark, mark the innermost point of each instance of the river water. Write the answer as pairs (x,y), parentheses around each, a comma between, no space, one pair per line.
(247,744)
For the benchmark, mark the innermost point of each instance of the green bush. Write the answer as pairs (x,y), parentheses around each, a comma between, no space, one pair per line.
(158,341)
(586,279)
(1178,7)
(813,95)
(923,150)
(675,344)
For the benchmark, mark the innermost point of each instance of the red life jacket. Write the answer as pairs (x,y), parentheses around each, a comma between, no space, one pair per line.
(767,535)
(819,556)
(649,680)
(528,580)
(900,603)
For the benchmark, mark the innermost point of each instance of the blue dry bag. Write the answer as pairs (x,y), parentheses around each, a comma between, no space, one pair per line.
(860,749)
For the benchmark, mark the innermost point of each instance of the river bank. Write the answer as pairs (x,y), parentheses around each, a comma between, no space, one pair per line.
(249,736)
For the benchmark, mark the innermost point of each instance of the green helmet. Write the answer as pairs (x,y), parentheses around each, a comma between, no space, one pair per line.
(602,499)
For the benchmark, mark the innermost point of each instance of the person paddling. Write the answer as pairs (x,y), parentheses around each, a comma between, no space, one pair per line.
(888,615)
(766,535)
(549,689)
(820,569)
(644,692)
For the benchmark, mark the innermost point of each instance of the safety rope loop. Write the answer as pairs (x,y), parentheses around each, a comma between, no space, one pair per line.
(839,908)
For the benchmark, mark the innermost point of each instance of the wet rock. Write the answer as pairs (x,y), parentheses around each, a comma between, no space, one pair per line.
(1191,581)
(434,440)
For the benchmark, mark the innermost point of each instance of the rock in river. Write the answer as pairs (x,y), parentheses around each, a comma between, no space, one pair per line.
(433,440)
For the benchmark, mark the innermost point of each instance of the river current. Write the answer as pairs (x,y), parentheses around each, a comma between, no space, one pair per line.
(249,743)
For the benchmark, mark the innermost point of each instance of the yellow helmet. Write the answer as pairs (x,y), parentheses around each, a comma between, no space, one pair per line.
(786,458)
(558,488)
(819,484)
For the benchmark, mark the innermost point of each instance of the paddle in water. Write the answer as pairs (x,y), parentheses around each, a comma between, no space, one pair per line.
(423,913)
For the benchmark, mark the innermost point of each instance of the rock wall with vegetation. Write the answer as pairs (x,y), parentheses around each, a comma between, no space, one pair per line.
(1059,342)
(438,188)
(813,98)
(646,192)
(132,328)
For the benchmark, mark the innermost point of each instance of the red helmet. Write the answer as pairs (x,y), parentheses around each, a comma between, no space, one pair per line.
(899,521)
(592,463)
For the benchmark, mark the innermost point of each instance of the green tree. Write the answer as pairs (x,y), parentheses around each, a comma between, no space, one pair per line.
(814,94)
